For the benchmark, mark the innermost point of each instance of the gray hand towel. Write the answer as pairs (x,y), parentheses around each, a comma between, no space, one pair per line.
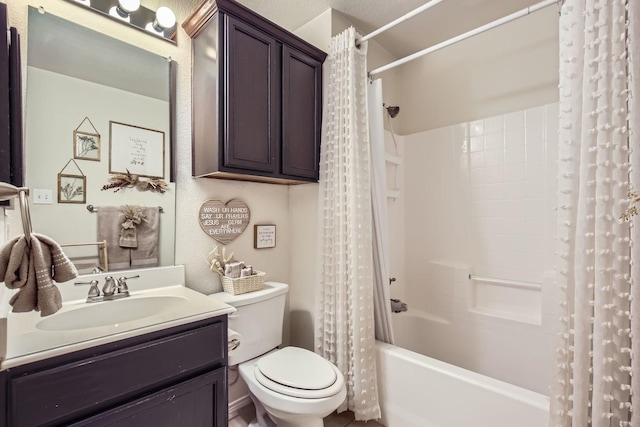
(148,234)
(14,264)
(17,272)
(33,270)
(61,267)
(110,219)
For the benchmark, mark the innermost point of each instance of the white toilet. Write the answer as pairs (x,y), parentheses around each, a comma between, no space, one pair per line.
(290,387)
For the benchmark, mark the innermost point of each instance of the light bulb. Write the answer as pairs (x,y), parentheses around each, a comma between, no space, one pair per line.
(124,8)
(129,5)
(165,17)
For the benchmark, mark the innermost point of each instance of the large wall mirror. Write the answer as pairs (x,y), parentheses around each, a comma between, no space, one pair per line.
(81,83)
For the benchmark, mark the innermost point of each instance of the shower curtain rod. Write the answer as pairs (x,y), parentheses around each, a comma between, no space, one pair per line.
(403,18)
(519,14)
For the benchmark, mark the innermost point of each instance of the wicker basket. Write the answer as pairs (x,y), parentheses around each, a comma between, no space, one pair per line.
(243,285)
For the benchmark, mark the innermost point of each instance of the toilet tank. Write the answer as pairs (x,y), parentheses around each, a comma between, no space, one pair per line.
(258,320)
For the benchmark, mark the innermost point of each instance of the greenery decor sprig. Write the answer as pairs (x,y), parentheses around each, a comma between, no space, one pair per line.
(217,261)
(124,180)
(632,210)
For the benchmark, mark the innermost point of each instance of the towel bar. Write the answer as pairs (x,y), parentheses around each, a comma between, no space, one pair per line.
(102,245)
(92,208)
(8,191)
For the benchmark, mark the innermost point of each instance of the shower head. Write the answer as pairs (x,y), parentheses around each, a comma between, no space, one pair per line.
(392,110)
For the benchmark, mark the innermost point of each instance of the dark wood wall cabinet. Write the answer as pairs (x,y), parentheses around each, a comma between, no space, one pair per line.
(175,377)
(257,97)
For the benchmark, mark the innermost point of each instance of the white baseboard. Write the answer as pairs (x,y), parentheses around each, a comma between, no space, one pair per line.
(238,404)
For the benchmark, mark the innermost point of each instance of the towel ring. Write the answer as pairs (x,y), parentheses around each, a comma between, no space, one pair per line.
(8,191)
(25,214)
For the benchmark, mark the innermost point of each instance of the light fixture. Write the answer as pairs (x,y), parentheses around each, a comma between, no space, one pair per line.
(160,23)
(164,20)
(124,8)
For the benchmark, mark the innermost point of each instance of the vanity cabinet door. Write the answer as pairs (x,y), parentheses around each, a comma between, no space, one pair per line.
(251,99)
(3,398)
(200,402)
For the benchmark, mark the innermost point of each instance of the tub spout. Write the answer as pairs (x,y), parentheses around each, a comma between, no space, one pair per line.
(397,306)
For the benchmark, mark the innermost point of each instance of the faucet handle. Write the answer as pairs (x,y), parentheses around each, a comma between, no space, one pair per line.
(93,290)
(122,283)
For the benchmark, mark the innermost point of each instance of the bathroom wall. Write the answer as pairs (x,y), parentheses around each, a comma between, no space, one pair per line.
(510,68)
(480,200)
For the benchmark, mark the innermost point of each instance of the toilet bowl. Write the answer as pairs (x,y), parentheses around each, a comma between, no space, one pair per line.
(294,386)
(290,386)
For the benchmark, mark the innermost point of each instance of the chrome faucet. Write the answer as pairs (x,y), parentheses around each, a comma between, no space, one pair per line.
(111,290)
(110,287)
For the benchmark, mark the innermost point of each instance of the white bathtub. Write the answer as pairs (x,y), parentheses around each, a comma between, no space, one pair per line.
(418,391)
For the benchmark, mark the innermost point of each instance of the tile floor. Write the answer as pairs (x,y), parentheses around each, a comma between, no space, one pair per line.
(344,419)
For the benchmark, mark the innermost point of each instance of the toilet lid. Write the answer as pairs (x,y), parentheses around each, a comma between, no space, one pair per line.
(299,368)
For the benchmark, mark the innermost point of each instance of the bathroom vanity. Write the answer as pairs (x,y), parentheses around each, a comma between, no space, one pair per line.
(167,378)
(167,368)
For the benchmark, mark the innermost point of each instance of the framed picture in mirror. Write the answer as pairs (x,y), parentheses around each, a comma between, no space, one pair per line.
(72,188)
(136,150)
(86,146)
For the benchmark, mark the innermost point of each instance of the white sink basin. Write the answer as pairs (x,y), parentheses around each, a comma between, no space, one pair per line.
(107,313)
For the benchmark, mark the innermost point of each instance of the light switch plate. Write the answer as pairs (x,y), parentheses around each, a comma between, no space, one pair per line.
(42,197)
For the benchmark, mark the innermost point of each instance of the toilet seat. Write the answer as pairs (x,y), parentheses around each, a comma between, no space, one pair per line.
(297,372)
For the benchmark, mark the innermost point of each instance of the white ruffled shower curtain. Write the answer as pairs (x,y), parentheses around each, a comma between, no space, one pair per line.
(598,128)
(345,333)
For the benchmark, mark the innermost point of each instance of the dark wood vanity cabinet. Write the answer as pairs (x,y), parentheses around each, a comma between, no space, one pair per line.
(257,97)
(3,399)
(175,377)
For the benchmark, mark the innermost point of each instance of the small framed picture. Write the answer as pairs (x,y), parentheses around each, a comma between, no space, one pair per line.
(86,146)
(72,188)
(264,236)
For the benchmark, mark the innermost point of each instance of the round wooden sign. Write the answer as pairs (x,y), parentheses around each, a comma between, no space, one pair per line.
(224,221)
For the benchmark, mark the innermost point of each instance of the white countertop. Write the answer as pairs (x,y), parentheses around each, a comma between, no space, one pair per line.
(27,343)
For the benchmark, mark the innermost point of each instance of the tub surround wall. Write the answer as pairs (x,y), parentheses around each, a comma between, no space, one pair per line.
(488,342)
(480,201)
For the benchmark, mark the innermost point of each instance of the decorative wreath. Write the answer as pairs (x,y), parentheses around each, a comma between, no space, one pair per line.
(129,180)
